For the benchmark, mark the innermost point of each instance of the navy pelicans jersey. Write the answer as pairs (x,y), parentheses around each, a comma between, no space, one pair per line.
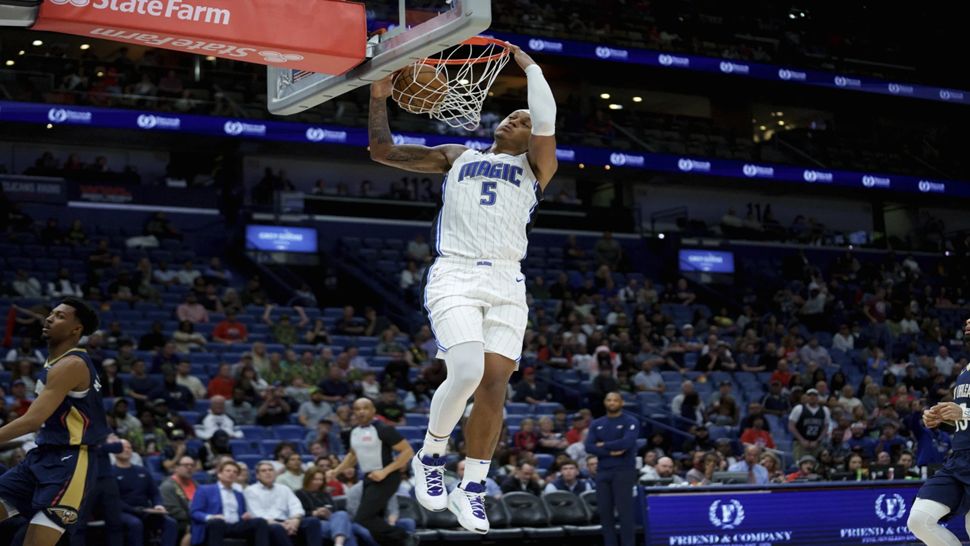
(961,395)
(80,419)
(488,201)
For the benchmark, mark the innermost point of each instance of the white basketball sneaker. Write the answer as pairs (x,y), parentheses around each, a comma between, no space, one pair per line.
(468,505)
(429,484)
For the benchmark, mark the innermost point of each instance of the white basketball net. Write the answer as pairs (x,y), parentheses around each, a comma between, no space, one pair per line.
(470,70)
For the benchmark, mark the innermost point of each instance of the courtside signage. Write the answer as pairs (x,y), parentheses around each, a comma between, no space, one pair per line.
(842,516)
(357,136)
(243,30)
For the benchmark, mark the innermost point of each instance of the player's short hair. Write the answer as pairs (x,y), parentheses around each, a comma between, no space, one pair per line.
(85,315)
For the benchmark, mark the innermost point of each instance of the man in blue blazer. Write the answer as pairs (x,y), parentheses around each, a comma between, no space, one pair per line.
(219,511)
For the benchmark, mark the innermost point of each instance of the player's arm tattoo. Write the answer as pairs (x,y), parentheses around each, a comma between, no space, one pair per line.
(378,129)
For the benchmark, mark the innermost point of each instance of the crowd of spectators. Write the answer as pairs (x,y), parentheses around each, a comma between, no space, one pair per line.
(849,353)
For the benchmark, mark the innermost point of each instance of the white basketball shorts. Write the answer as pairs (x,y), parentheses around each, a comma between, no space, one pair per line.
(477,300)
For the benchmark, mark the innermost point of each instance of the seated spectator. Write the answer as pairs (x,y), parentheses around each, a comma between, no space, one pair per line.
(112,386)
(782,375)
(222,383)
(140,385)
(153,340)
(164,275)
(524,479)
(717,359)
(314,409)
(335,387)
(703,467)
(26,285)
(187,275)
(388,345)
(529,391)
(21,398)
(186,338)
(158,226)
(284,331)
(141,502)
(335,525)
(317,335)
(348,324)
(757,435)
(191,310)
(292,475)
(216,273)
(25,351)
(418,250)
(369,386)
(177,397)
(177,492)
(805,472)
(216,419)
(389,407)
(568,480)
(815,352)
(218,511)
(757,474)
(274,410)
(410,276)
(580,423)
(64,286)
(688,404)
(166,359)
(665,470)
(944,362)
(230,330)
(648,379)
(526,438)
(239,409)
(771,463)
(550,441)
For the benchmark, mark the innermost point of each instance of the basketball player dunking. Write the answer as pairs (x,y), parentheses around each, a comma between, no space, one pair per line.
(475,291)
(51,484)
(949,488)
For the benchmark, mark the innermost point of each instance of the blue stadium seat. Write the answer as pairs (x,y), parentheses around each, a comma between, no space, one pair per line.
(546,408)
(244,447)
(255,432)
(251,461)
(293,433)
(191,417)
(544,460)
(411,433)
(518,407)
(417,420)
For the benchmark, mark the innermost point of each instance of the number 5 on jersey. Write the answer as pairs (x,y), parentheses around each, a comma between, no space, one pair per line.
(488,192)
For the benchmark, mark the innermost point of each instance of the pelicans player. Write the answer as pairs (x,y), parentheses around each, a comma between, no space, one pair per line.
(949,488)
(51,484)
(475,291)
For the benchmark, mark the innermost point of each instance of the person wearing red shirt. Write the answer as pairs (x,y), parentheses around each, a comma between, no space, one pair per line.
(230,331)
(782,374)
(575,434)
(18,390)
(223,383)
(757,435)
(526,438)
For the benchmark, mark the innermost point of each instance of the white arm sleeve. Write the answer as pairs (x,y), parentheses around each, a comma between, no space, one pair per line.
(542,105)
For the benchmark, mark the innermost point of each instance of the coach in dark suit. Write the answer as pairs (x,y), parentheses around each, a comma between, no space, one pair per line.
(219,511)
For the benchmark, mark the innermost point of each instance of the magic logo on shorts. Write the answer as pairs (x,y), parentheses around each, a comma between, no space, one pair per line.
(167,9)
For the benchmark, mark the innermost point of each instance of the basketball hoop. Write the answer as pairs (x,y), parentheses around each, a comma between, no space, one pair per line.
(462,77)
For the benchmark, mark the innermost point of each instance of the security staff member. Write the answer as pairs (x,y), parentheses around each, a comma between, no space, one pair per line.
(613,438)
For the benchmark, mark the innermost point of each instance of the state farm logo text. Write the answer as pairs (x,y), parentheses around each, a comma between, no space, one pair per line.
(168,9)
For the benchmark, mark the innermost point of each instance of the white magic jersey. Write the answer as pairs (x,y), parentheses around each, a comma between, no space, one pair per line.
(488,201)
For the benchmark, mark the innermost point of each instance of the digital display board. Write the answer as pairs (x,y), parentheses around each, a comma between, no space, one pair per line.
(706,261)
(281,239)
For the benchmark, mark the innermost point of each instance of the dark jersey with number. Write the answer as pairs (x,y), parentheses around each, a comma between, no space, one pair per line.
(961,395)
(80,419)
(810,423)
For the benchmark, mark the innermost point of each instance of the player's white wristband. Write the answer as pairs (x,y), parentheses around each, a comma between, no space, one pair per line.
(966,414)
(542,105)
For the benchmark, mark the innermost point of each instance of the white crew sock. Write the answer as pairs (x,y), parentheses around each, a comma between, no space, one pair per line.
(434,445)
(476,470)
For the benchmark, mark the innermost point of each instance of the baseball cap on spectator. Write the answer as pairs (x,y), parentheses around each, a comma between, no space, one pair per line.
(159,402)
(687,326)
(109,362)
(177,434)
(806,459)
(725,383)
(670,327)
(811,391)
(16,382)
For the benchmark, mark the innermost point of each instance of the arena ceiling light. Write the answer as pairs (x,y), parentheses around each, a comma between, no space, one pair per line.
(614,106)
(38,43)
(85,47)
(637,99)
(10,62)
(605,96)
